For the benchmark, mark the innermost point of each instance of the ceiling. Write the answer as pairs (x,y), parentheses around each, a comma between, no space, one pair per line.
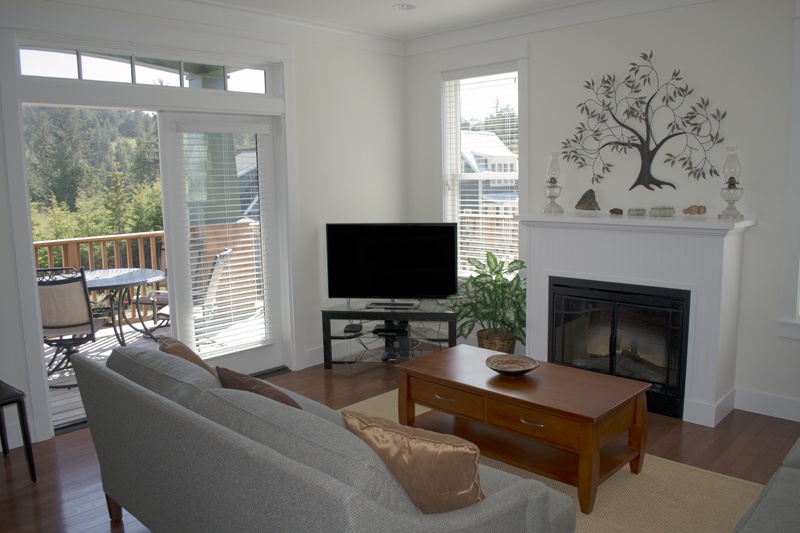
(377,17)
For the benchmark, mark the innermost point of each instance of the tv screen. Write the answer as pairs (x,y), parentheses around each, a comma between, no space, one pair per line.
(395,261)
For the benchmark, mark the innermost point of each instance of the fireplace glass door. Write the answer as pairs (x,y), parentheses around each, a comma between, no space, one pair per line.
(625,330)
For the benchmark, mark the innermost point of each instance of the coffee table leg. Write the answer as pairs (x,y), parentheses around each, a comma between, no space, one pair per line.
(588,469)
(405,407)
(637,434)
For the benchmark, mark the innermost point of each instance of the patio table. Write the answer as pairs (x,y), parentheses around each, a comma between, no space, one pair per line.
(119,282)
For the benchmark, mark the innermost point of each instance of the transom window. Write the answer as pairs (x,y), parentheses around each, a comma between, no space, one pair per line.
(120,68)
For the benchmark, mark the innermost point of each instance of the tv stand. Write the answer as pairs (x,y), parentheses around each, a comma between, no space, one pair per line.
(426,311)
(394,304)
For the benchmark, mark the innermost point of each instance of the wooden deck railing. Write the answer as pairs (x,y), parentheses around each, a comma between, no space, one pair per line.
(127,250)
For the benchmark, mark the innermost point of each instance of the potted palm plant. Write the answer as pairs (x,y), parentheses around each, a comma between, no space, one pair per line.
(494,299)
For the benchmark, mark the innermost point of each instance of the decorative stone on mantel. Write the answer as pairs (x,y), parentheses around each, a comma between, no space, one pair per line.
(699,254)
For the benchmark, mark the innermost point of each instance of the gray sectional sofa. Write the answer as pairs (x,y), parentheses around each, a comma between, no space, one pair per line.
(777,507)
(180,453)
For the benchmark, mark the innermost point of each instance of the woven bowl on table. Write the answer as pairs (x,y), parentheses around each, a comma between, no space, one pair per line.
(511,365)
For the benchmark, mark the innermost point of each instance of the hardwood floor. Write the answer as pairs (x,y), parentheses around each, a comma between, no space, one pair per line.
(68,495)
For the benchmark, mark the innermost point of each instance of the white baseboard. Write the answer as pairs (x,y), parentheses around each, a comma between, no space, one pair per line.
(707,414)
(768,404)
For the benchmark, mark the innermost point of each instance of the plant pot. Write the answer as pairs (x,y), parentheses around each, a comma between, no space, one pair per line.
(499,341)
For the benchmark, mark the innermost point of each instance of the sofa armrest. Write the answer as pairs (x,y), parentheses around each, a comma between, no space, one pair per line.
(525,506)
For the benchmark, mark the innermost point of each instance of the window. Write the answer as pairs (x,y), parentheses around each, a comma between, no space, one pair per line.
(120,68)
(480,154)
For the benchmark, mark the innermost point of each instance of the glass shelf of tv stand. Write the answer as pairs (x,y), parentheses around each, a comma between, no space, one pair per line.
(356,311)
(419,333)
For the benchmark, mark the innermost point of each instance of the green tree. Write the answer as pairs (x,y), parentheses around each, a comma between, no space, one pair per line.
(146,212)
(145,164)
(52,220)
(68,169)
(116,202)
(85,167)
(91,215)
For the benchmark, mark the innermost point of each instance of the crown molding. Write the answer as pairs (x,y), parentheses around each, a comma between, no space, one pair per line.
(269,27)
(284,30)
(541,21)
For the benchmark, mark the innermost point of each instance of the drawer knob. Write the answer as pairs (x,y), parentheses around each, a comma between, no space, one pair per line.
(531,424)
(444,399)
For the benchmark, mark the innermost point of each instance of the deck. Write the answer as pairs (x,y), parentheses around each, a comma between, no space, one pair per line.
(65,403)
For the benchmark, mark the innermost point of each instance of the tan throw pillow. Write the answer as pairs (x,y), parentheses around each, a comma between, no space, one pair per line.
(439,472)
(231,379)
(175,347)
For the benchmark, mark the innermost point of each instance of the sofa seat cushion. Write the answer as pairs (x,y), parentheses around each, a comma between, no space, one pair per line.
(167,375)
(776,507)
(438,471)
(308,439)
(792,459)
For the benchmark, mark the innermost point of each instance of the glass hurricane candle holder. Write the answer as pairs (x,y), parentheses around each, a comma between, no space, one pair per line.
(552,190)
(731,193)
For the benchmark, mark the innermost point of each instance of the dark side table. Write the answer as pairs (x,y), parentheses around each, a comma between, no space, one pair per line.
(10,395)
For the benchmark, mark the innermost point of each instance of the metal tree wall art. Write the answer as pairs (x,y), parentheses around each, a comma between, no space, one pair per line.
(646,114)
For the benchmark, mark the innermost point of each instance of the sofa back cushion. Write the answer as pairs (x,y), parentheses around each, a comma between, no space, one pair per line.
(172,377)
(316,408)
(308,439)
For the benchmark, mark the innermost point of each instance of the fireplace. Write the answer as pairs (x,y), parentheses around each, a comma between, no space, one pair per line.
(633,331)
(701,255)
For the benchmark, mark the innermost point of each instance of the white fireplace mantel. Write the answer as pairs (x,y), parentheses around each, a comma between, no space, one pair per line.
(699,254)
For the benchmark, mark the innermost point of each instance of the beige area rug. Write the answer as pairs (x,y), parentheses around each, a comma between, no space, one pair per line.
(666,496)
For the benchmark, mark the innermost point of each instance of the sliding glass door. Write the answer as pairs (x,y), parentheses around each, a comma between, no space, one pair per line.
(218,177)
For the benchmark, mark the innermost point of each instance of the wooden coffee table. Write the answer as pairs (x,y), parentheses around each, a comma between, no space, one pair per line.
(558,421)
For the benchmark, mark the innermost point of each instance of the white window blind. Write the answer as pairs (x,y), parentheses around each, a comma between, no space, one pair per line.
(481,164)
(227,241)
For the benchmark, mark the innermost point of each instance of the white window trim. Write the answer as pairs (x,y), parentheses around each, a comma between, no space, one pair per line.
(789,321)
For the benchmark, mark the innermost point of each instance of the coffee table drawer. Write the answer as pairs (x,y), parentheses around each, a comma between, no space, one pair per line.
(447,399)
(541,426)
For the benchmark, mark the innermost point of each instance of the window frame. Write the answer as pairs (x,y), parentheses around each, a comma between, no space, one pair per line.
(493,61)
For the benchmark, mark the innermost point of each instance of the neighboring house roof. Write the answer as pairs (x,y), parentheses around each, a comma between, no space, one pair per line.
(247,172)
(485,145)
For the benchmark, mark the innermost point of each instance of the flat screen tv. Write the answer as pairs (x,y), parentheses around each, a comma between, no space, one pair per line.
(394,261)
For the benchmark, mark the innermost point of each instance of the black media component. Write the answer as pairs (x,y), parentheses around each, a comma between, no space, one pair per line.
(416,261)
(353,328)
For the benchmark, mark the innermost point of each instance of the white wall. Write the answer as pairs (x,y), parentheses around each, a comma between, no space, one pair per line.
(738,53)
(351,164)
(345,126)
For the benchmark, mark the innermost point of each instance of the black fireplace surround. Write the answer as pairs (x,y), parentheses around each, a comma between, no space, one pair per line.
(633,331)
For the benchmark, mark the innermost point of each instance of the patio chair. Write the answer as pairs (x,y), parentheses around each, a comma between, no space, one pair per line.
(205,306)
(158,298)
(67,318)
